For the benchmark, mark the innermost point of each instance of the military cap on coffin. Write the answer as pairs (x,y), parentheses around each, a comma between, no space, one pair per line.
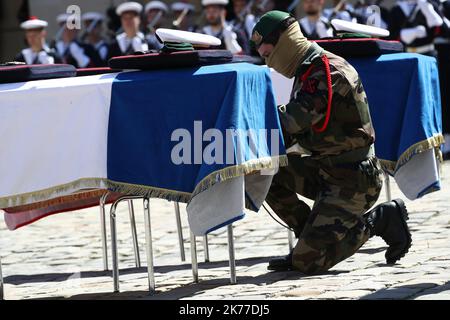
(358,40)
(178,51)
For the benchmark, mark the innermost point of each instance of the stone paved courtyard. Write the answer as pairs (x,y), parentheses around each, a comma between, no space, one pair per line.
(60,257)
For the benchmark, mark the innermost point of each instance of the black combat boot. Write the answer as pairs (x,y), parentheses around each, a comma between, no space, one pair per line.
(281,264)
(388,220)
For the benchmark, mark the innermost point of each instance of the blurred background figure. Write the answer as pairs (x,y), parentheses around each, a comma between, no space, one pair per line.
(416,23)
(341,9)
(364,13)
(244,20)
(263,6)
(216,25)
(155,13)
(131,39)
(38,51)
(93,35)
(182,16)
(315,26)
(70,49)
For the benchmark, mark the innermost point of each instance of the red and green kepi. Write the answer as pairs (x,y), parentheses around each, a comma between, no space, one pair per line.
(268,23)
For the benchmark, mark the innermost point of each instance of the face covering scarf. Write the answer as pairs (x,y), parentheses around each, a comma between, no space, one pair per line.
(289,51)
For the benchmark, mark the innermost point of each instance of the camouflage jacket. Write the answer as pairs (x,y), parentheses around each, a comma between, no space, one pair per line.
(349,126)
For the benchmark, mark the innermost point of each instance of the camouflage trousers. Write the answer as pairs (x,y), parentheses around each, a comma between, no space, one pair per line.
(334,229)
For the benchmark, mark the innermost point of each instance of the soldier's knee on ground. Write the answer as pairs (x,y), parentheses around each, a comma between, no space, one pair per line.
(309,260)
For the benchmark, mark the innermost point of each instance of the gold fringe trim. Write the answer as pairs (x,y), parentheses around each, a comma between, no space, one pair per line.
(240,170)
(142,190)
(146,191)
(77,196)
(419,147)
(46,194)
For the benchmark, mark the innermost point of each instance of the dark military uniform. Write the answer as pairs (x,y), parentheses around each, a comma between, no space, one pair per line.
(86,52)
(240,38)
(315,30)
(404,16)
(341,175)
(102,50)
(123,45)
(46,56)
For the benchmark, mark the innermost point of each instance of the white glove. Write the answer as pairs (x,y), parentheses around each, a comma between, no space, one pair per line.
(408,35)
(45,58)
(230,39)
(322,30)
(78,53)
(139,44)
(432,17)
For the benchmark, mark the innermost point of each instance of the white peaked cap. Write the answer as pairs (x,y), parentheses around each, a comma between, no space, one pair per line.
(129,6)
(179,36)
(180,6)
(214,2)
(347,26)
(156,5)
(92,16)
(33,23)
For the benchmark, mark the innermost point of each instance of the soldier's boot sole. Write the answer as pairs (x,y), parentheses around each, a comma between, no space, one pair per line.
(393,253)
(281,264)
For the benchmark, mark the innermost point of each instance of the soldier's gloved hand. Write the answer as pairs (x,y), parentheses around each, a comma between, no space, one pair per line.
(44,58)
(433,18)
(78,53)
(230,39)
(408,35)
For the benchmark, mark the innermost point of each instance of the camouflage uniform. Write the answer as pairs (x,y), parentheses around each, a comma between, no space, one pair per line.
(339,176)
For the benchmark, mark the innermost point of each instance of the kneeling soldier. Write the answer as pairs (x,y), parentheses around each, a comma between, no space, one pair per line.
(328,115)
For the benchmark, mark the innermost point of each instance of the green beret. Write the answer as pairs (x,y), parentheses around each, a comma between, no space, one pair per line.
(268,23)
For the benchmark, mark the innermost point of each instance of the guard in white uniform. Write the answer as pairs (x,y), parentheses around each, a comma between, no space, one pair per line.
(245,19)
(38,52)
(217,26)
(416,23)
(182,16)
(344,12)
(70,49)
(93,23)
(131,40)
(155,13)
(314,25)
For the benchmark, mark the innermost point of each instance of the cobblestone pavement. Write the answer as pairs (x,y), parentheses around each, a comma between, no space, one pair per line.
(60,257)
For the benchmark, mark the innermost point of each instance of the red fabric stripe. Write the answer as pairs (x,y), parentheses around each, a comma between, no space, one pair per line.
(307,73)
(330,96)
